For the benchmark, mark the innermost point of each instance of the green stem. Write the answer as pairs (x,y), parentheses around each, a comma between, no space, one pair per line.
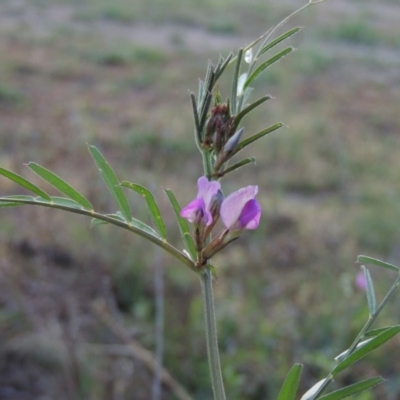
(106,218)
(211,335)
(207,165)
(214,363)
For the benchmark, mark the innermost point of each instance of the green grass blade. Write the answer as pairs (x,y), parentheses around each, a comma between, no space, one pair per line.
(60,185)
(280,39)
(266,64)
(112,182)
(370,291)
(362,351)
(257,136)
(373,261)
(24,183)
(183,225)
(290,385)
(151,205)
(353,389)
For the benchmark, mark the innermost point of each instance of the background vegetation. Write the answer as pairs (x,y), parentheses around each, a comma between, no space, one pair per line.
(78,303)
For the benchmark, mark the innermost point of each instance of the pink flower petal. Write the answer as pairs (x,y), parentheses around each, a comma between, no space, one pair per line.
(233,205)
(191,211)
(250,216)
(201,206)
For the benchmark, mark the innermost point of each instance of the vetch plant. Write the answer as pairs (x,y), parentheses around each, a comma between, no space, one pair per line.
(219,137)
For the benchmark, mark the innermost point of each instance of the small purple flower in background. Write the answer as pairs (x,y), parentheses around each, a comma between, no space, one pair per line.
(200,209)
(360,281)
(240,210)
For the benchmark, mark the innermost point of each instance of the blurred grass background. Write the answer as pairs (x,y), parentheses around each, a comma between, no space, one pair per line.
(117,74)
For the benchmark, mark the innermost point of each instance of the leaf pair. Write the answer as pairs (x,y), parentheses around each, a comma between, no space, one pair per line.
(241,82)
(77,203)
(51,178)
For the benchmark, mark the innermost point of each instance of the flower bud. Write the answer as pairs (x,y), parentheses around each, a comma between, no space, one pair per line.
(229,148)
(219,128)
(214,122)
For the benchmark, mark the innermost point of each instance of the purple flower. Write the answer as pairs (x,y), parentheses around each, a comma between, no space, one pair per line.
(360,281)
(200,209)
(240,210)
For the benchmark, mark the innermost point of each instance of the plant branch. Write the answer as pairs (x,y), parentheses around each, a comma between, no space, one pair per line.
(106,218)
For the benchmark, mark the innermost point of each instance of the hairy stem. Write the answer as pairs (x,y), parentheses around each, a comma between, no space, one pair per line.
(211,335)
